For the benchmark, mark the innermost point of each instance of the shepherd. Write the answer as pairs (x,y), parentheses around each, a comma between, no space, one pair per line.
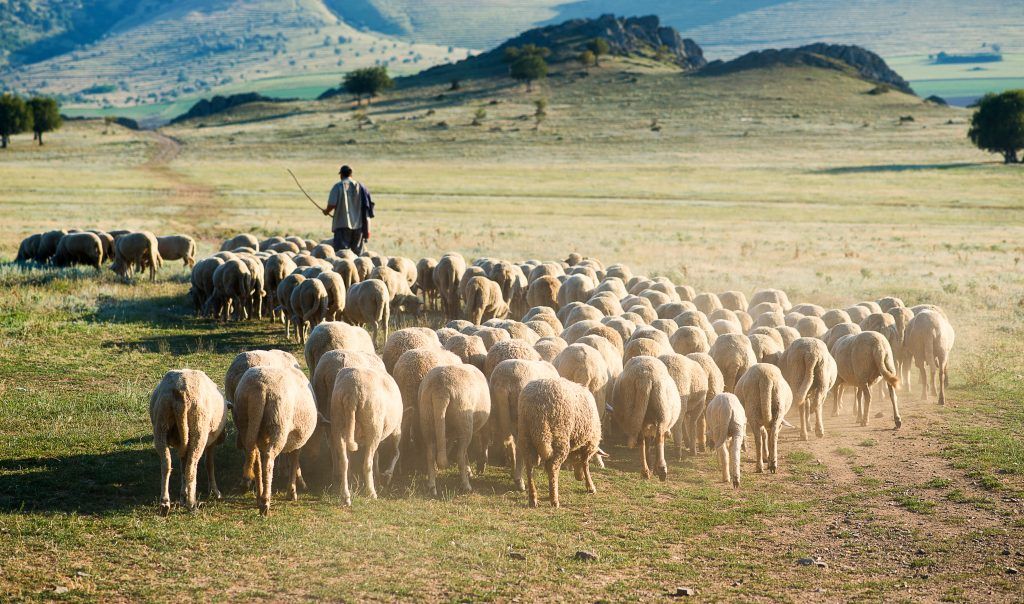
(353,208)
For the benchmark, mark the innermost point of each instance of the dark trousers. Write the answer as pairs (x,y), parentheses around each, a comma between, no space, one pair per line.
(349,239)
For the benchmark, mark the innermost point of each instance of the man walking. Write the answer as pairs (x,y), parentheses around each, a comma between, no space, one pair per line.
(353,209)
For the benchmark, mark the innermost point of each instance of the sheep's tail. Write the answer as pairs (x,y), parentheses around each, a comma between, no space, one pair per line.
(349,417)
(767,400)
(886,366)
(440,408)
(385,314)
(255,406)
(473,304)
(634,421)
(180,411)
(806,380)
(191,257)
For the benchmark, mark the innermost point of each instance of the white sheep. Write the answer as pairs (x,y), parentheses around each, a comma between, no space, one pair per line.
(645,405)
(811,373)
(505,384)
(929,339)
(766,399)
(454,404)
(727,426)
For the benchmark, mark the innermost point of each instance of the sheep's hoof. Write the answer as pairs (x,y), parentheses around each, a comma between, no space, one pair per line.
(899,424)
(773,469)
(663,473)
(264,508)
(293,496)
(347,502)
(165,508)
(215,494)
(736,483)
(532,503)
(759,469)
(520,486)
(555,504)
(592,490)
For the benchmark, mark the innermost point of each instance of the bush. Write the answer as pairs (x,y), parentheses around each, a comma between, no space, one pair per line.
(997,126)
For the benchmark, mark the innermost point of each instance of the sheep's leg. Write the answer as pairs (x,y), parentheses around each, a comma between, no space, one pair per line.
(895,407)
(553,468)
(677,437)
(773,448)
(932,375)
(645,470)
(267,469)
(759,451)
(369,461)
(723,461)
(659,443)
(692,435)
(294,474)
(346,493)
(390,472)
(924,382)
(943,376)
(165,474)
(587,479)
(432,467)
(190,469)
(865,413)
(250,471)
(734,458)
(464,464)
(483,441)
(211,474)
(515,461)
(531,486)
(836,399)
(819,420)
(805,411)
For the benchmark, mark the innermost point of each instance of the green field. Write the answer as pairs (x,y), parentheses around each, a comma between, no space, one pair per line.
(962,81)
(791,178)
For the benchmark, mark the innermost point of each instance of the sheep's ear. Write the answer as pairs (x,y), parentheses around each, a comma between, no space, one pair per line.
(322,418)
(601,453)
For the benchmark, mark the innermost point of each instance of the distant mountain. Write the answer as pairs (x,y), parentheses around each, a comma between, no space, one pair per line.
(854,59)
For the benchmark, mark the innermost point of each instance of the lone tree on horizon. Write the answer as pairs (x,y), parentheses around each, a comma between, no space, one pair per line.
(15,118)
(998,124)
(45,116)
(527,63)
(598,46)
(368,81)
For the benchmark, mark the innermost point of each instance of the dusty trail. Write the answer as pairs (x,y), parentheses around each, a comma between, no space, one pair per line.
(195,201)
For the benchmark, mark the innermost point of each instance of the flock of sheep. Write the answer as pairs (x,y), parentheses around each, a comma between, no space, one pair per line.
(595,354)
(127,251)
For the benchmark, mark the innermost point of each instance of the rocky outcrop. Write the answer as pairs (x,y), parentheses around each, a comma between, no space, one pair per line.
(852,59)
(217,104)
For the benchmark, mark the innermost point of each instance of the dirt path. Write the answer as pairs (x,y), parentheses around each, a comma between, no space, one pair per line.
(195,200)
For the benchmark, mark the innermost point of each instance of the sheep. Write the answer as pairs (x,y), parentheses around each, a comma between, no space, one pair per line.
(546,314)
(447,274)
(811,373)
(309,305)
(504,385)
(583,312)
(455,398)
(484,301)
(469,348)
(689,339)
(576,288)
(254,297)
(901,319)
(346,267)
(368,302)
(79,248)
(788,335)
(275,413)
(549,347)
(364,266)
(283,294)
(27,249)
(871,305)
(643,347)
(328,368)
(775,296)
(267,243)
(232,284)
(861,360)
(508,349)
(491,336)
(707,302)
(727,426)
(885,324)
(811,327)
(407,339)
(337,296)
(723,326)
(47,245)
(586,366)
(929,339)
(518,331)
(733,300)
(733,355)
(834,317)
(324,251)
(808,310)
(612,359)
(858,313)
(839,330)
(366,410)
(766,349)
(136,249)
(177,247)
(425,281)
(275,269)
(546,269)
(202,282)
(692,383)
(543,291)
(607,303)
(889,302)
(335,335)
(557,421)
(921,307)
(645,405)
(695,318)
(189,414)
(622,326)
(245,240)
(766,399)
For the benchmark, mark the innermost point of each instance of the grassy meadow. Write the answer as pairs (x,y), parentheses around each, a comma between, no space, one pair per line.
(790,178)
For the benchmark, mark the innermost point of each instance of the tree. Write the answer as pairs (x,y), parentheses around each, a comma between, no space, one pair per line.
(529,68)
(479,116)
(598,46)
(15,118)
(45,116)
(368,81)
(540,113)
(998,124)
(586,58)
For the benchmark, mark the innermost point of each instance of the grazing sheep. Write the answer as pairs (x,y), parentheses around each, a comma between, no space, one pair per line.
(689,339)
(811,327)
(79,248)
(788,335)
(695,318)
(645,405)
(505,384)
(557,421)
(254,297)
(508,349)
(453,399)
(275,413)
(549,347)
(335,335)
(727,426)
(177,247)
(902,316)
(543,291)
(733,300)
(447,275)
(583,312)
(612,359)
(337,296)
(284,299)
(834,317)
(858,313)
(245,240)
(862,360)
(366,410)
(811,373)
(707,302)
(469,348)
(929,339)
(368,303)
(838,331)
(484,301)
(328,368)
(407,339)
(775,296)
(364,266)
(692,383)
(232,284)
(766,349)
(202,283)
(189,414)
(586,366)
(276,268)
(808,310)
(733,355)
(722,326)
(425,281)
(309,304)
(766,399)
(324,251)
(28,248)
(269,242)
(576,288)
(623,327)
(871,305)
(47,245)
(136,249)
(641,347)
(889,302)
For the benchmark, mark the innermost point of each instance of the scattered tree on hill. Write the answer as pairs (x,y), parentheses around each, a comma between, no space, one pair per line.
(15,118)
(368,81)
(45,116)
(478,116)
(998,124)
(586,58)
(540,113)
(598,46)
(526,63)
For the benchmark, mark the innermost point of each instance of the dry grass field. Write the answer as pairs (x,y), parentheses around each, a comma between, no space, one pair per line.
(787,178)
